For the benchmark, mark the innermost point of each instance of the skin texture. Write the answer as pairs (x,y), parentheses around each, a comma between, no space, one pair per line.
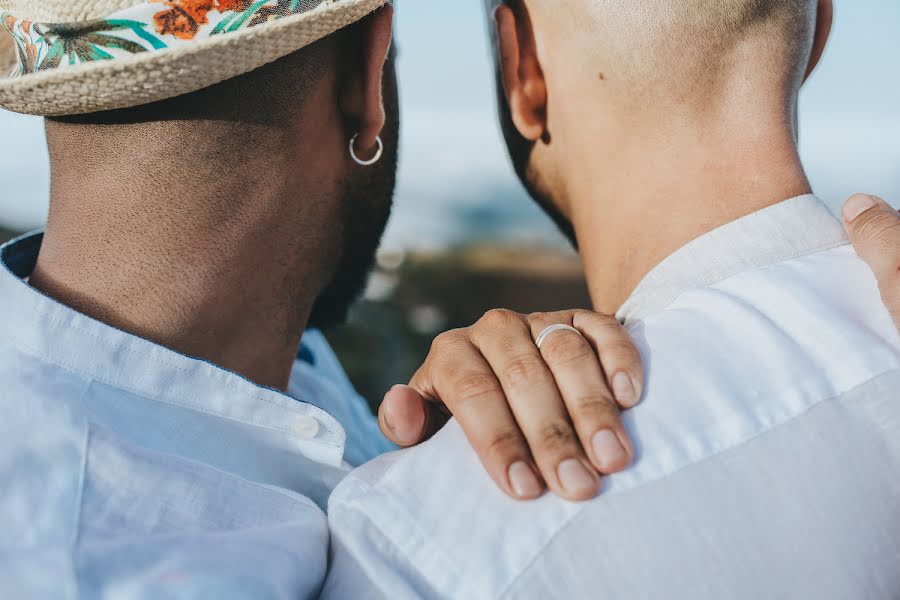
(212,223)
(222,223)
(187,198)
(740,34)
(537,417)
(709,139)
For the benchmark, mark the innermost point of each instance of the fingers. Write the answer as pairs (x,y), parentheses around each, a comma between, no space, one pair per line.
(403,416)
(506,341)
(874,228)
(581,380)
(457,375)
(534,416)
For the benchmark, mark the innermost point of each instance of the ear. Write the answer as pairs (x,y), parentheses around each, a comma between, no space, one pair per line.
(361,97)
(824,21)
(521,73)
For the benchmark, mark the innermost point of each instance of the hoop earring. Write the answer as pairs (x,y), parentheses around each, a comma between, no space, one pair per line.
(371,161)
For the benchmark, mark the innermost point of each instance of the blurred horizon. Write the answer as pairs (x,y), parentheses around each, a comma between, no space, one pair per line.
(455,184)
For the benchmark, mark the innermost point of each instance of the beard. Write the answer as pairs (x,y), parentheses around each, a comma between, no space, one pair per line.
(365,209)
(520,151)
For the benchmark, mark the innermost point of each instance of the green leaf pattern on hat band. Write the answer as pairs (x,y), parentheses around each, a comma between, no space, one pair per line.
(142,28)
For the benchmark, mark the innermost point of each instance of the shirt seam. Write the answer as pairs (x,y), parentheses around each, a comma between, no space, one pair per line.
(136,449)
(643,315)
(79,506)
(167,363)
(89,378)
(364,487)
(74,325)
(568,521)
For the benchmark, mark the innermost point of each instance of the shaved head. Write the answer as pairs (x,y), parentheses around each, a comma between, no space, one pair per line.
(669,49)
(676,48)
(631,70)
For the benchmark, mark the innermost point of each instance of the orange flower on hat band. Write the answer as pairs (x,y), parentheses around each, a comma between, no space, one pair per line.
(184,17)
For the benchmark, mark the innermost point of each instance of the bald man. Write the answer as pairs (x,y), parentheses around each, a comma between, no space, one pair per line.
(662,136)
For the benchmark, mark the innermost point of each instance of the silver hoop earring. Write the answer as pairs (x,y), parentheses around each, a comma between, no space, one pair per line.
(371,161)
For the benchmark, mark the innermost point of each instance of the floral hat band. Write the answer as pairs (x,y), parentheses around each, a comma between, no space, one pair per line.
(154,49)
(153,25)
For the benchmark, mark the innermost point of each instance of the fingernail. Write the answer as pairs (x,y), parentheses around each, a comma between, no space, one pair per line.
(409,432)
(575,478)
(387,420)
(524,482)
(624,390)
(608,450)
(857,205)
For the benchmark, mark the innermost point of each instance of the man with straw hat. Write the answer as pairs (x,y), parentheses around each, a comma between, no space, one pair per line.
(205,203)
(222,171)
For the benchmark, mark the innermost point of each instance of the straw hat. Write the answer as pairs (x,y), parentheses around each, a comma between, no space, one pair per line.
(80,56)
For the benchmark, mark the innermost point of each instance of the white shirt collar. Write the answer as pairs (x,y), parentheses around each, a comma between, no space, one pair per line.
(793,228)
(44,328)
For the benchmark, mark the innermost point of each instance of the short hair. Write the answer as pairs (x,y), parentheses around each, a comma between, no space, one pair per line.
(648,39)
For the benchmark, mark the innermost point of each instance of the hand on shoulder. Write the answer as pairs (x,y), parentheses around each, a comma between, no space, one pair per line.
(874,228)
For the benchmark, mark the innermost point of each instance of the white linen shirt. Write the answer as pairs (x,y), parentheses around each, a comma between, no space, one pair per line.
(768,450)
(131,471)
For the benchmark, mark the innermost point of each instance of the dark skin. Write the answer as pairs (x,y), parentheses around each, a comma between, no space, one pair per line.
(222,223)
(186,273)
(194,195)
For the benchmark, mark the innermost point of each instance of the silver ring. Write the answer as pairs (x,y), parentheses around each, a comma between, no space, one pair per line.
(371,161)
(551,330)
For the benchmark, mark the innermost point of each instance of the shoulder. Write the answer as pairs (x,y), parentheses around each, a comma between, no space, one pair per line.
(727,364)
(799,327)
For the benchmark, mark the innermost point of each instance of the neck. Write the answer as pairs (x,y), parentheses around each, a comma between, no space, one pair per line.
(659,192)
(202,271)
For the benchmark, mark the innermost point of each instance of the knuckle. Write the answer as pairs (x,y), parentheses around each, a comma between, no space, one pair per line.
(448,339)
(523,370)
(619,350)
(596,407)
(565,348)
(881,227)
(498,318)
(556,436)
(540,317)
(597,319)
(504,443)
(475,386)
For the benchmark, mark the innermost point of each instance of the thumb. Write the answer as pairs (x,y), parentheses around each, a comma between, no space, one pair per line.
(874,228)
(402,415)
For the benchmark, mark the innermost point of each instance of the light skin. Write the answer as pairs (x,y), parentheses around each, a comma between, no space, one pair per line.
(417,411)
(775,172)
(703,156)
(874,228)
(187,275)
(216,235)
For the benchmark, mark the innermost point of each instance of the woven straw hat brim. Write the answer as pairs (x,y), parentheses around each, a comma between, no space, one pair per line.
(153,76)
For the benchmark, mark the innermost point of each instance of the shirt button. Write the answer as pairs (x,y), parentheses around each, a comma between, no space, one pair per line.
(306,427)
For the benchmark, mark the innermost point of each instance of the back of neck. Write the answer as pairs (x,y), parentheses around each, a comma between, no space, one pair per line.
(214,265)
(661,192)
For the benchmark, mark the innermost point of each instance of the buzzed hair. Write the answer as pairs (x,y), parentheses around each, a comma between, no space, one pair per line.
(646,42)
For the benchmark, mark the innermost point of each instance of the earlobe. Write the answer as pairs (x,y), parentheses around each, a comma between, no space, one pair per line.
(362,95)
(824,22)
(523,79)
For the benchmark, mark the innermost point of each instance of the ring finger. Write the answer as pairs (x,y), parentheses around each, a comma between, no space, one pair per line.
(583,385)
(537,405)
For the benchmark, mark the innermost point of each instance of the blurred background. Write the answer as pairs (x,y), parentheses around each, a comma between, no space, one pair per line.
(464,237)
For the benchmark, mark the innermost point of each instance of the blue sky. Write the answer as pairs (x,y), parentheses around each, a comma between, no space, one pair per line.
(454,176)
